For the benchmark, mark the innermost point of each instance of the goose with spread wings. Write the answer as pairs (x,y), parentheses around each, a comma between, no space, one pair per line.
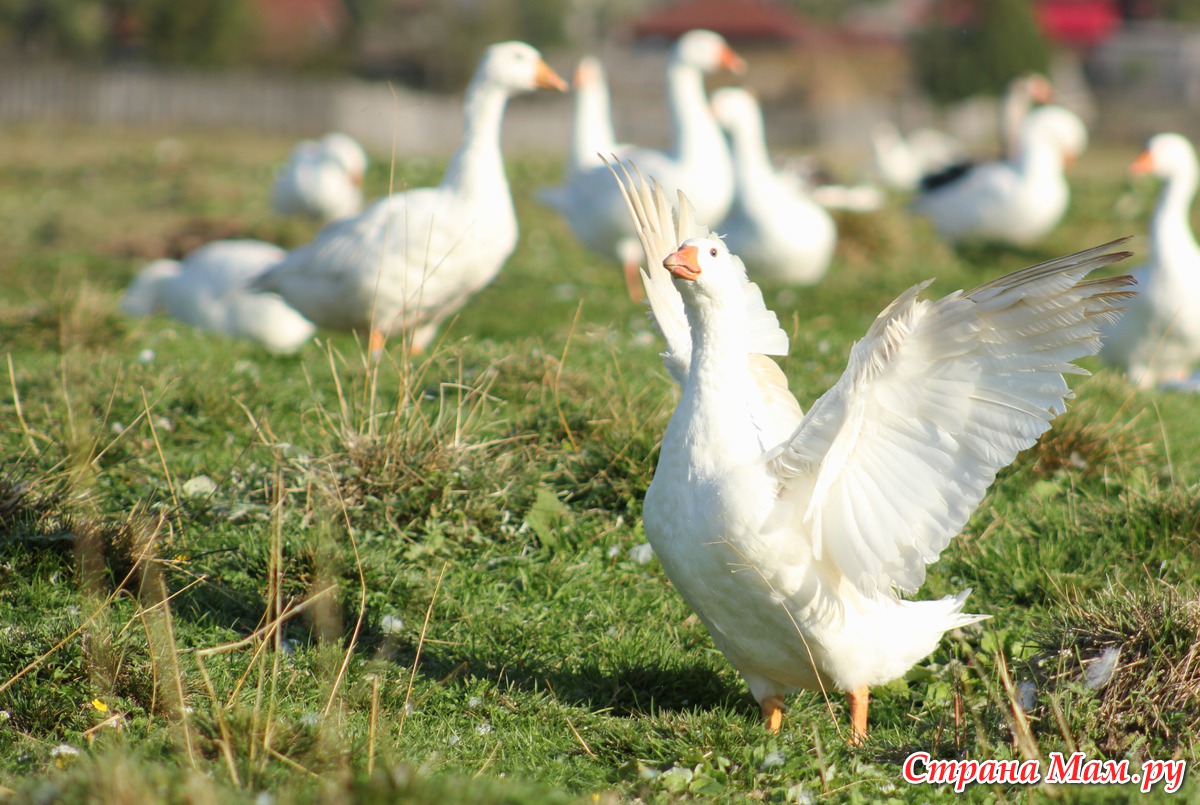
(792,534)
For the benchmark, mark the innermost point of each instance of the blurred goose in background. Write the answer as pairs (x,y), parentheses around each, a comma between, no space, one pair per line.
(901,161)
(322,179)
(1157,341)
(1012,201)
(698,162)
(774,226)
(411,259)
(1024,94)
(790,535)
(592,133)
(207,290)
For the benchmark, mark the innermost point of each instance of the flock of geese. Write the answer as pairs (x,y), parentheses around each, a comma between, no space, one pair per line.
(833,511)
(408,261)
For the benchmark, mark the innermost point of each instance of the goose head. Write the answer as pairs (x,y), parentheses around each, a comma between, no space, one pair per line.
(707,52)
(1166,156)
(517,67)
(705,269)
(347,153)
(588,73)
(1034,87)
(1058,127)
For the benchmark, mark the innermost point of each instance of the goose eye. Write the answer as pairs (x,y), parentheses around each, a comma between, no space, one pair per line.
(713,251)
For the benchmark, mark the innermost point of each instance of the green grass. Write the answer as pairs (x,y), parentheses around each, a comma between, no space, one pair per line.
(415,582)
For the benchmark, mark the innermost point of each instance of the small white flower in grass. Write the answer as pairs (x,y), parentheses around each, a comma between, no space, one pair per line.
(799,795)
(645,339)
(5,715)
(200,486)
(453,740)
(287,645)
(391,625)
(483,729)
(409,709)
(64,750)
(146,356)
(772,760)
(642,554)
(612,631)
(474,701)
(264,798)
(163,424)
(117,428)
(613,551)
(310,719)
(887,788)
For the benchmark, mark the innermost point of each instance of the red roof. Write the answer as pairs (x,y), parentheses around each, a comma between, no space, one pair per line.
(1078,22)
(734,19)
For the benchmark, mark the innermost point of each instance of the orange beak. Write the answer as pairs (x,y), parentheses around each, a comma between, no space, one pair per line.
(1068,160)
(356,179)
(548,79)
(732,62)
(1142,165)
(1041,90)
(683,264)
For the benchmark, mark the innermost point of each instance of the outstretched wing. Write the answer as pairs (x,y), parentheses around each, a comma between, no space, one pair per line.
(889,464)
(661,233)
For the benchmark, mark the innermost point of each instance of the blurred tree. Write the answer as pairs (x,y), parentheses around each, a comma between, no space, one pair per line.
(55,28)
(199,32)
(974,47)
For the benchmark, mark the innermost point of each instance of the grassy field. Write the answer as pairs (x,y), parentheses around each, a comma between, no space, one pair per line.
(227,577)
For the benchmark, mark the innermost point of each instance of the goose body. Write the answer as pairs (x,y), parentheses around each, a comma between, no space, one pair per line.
(774,226)
(1157,341)
(790,534)
(322,179)
(207,290)
(411,259)
(1012,201)
(699,162)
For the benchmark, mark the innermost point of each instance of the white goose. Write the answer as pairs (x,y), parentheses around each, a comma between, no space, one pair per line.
(901,161)
(410,260)
(774,226)
(322,179)
(592,132)
(1157,342)
(699,162)
(790,534)
(207,290)
(1015,201)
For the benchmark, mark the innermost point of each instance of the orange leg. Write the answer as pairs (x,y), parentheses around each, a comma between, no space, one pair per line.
(633,280)
(376,343)
(858,698)
(772,710)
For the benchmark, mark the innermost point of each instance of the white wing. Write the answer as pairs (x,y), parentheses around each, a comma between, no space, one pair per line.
(661,233)
(889,464)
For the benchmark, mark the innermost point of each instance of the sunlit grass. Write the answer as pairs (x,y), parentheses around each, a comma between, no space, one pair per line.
(223,572)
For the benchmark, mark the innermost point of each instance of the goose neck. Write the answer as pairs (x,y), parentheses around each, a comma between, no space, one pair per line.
(696,132)
(754,169)
(478,164)
(1171,229)
(593,125)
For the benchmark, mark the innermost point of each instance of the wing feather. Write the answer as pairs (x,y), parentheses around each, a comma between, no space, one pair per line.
(890,463)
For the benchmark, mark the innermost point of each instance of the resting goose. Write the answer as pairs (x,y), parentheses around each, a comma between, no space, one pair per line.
(1157,341)
(790,535)
(775,227)
(207,290)
(322,179)
(1015,201)
(901,161)
(699,161)
(410,260)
